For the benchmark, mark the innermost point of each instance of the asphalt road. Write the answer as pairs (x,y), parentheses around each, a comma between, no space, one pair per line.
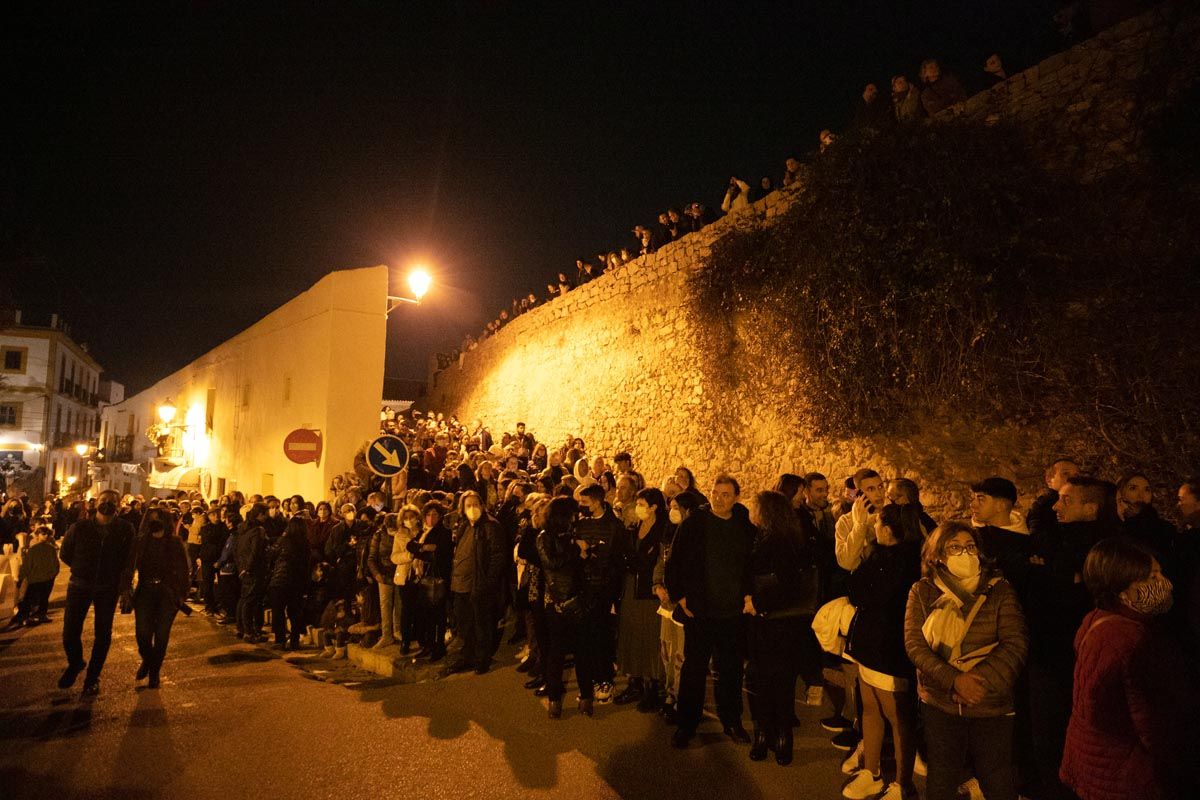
(237,721)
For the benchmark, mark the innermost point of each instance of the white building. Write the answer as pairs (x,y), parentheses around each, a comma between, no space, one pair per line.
(49,404)
(315,363)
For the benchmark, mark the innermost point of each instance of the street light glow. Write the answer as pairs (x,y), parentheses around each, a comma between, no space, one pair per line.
(419,281)
(81,449)
(166,412)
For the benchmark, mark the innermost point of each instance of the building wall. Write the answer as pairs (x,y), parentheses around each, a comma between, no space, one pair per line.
(611,361)
(315,362)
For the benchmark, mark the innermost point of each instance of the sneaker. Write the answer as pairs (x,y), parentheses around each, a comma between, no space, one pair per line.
(815,695)
(853,762)
(382,643)
(837,723)
(862,786)
(846,740)
(894,792)
(603,693)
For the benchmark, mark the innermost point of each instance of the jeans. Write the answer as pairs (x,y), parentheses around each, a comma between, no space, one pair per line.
(287,605)
(249,606)
(79,599)
(475,624)
(585,638)
(391,606)
(207,589)
(953,742)
(154,610)
(716,639)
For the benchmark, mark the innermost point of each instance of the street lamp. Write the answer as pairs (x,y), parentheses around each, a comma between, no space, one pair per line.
(166,412)
(82,449)
(419,281)
(71,480)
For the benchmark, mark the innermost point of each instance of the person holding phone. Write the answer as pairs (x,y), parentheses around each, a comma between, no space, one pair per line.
(854,534)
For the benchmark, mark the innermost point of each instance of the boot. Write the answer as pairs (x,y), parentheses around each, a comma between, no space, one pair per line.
(633,692)
(327,648)
(783,748)
(555,710)
(651,699)
(339,654)
(758,750)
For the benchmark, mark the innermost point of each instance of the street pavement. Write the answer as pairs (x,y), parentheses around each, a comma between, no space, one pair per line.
(238,721)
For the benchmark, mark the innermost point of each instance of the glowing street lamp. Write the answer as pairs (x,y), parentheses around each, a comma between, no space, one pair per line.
(419,281)
(82,449)
(166,412)
(71,480)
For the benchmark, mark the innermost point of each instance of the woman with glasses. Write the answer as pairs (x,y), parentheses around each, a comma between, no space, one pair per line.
(965,633)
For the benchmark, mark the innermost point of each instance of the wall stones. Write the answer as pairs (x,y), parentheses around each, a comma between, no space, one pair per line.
(614,361)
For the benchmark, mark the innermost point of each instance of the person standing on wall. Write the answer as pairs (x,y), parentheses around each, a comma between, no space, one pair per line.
(97,550)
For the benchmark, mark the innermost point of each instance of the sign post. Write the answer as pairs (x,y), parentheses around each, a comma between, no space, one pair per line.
(387,456)
(303,446)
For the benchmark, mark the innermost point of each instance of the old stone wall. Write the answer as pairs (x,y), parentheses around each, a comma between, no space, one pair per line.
(614,361)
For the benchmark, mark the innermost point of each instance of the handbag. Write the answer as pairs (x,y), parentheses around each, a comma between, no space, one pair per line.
(571,610)
(433,589)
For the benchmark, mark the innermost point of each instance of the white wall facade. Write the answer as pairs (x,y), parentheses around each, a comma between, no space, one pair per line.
(316,362)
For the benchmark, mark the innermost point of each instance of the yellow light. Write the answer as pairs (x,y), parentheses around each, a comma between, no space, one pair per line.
(71,480)
(82,449)
(419,281)
(166,412)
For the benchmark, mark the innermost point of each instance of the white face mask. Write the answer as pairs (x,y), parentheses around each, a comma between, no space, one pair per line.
(642,512)
(410,523)
(963,566)
(473,513)
(676,516)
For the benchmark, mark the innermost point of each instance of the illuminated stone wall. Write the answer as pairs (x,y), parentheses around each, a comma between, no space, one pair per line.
(613,361)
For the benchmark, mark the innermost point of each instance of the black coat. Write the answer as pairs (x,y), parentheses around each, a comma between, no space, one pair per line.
(439,561)
(640,556)
(490,556)
(250,551)
(796,571)
(561,564)
(290,567)
(602,567)
(879,591)
(212,541)
(685,569)
(1155,532)
(97,560)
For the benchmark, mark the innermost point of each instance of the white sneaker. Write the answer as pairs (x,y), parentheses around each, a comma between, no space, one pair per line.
(919,766)
(603,693)
(382,643)
(894,792)
(815,696)
(862,786)
(853,762)
(971,789)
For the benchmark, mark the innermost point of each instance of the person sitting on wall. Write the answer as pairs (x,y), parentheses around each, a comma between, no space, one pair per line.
(737,196)
(993,71)
(874,111)
(941,90)
(906,100)
(792,172)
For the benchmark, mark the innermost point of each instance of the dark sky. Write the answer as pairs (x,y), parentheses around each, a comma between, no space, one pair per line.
(170,178)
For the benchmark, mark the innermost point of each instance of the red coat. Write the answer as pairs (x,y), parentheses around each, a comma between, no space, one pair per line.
(1127,703)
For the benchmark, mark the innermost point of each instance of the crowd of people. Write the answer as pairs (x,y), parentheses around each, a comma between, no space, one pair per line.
(1037,652)
(908,102)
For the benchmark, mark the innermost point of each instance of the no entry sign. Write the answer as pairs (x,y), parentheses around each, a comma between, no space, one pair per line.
(303,446)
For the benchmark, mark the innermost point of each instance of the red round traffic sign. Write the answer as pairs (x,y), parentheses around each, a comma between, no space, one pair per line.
(303,446)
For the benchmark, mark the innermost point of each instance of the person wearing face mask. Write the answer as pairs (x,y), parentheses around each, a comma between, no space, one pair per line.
(160,563)
(965,634)
(605,539)
(670,630)
(638,626)
(285,589)
(433,552)
(1129,734)
(97,550)
(478,565)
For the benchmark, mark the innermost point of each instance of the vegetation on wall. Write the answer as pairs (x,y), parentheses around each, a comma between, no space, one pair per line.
(938,271)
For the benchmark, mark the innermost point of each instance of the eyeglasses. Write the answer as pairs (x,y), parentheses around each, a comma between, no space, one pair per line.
(959,549)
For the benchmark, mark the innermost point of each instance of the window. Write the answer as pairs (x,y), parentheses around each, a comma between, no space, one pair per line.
(245,395)
(15,359)
(210,406)
(10,415)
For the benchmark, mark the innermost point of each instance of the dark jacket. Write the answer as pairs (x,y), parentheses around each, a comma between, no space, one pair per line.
(98,555)
(1155,532)
(607,540)
(561,564)
(641,555)
(250,551)
(785,575)
(441,558)
(212,541)
(379,558)
(684,573)
(39,563)
(1130,704)
(290,567)
(879,591)
(998,624)
(490,556)
(164,560)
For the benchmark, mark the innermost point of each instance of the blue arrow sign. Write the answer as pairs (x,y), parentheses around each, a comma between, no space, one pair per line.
(387,456)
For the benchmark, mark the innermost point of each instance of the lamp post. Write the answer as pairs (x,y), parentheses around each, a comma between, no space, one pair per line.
(419,281)
(166,412)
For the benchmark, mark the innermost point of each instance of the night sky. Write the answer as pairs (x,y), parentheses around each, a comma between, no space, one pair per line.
(168,179)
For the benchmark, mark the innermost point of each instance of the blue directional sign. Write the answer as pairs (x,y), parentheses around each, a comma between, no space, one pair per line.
(387,456)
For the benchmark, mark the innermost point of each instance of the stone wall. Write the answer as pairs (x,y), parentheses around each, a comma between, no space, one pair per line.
(614,361)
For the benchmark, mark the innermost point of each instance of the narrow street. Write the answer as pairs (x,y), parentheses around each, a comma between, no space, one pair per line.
(234,720)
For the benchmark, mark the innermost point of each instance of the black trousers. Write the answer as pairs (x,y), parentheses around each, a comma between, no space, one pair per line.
(584,638)
(193,554)
(208,591)
(36,600)
(154,610)
(984,743)
(716,639)
(249,607)
(474,618)
(287,605)
(229,592)
(79,600)
(429,623)
(776,657)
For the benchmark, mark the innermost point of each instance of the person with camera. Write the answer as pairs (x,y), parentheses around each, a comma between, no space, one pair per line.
(97,549)
(737,196)
(160,563)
